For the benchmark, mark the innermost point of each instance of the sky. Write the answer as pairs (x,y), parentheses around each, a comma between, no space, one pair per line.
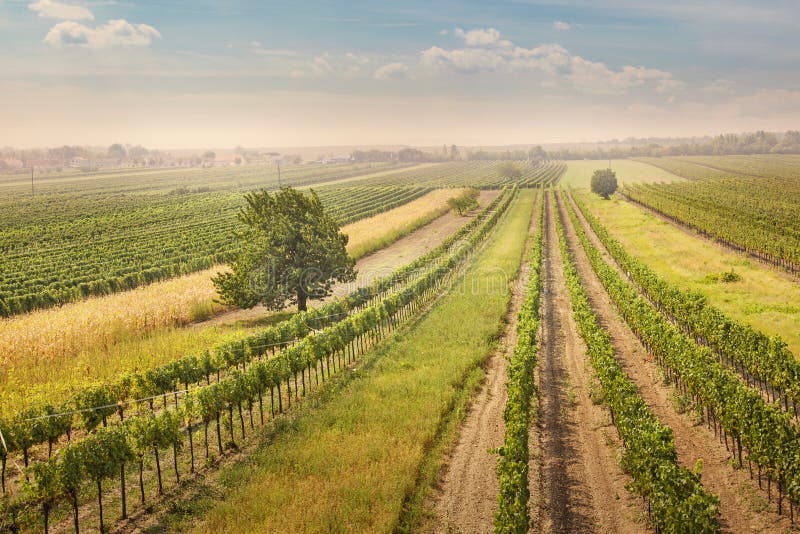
(175,74)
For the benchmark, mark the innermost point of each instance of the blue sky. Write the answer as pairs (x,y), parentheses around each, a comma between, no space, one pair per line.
(195,74)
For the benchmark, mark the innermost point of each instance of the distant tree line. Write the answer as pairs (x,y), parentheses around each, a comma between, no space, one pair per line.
(725,144)
(759,142)
(450,153)
(120,155)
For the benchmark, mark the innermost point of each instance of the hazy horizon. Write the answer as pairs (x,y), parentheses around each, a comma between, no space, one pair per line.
(180,76)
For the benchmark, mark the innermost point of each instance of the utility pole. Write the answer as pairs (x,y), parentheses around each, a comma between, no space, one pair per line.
(32,181)
(279,174)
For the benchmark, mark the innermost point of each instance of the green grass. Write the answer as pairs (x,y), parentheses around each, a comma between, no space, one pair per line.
(579,172)
(763,298)
(351,462)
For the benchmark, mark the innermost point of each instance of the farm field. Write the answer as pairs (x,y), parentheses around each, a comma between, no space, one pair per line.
(740,507)
(515,267)
(165,180)
(546,373)
(628,171)
(718,202)
(765,299)
(346,477)
(480,174)
(48,354)
(456,247)
(98,243)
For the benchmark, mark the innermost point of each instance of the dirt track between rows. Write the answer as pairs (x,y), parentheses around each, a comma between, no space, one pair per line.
(743,507)
(578,486)
(576,482)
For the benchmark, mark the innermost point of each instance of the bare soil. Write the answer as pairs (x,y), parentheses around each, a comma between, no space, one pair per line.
(743,506)
(577,485)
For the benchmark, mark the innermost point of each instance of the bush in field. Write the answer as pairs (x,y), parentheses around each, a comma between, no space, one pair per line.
(465,202)
(604,182)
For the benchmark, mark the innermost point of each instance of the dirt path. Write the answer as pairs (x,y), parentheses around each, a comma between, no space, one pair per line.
(380,263)
(465,498)
(742,506)
(578,485)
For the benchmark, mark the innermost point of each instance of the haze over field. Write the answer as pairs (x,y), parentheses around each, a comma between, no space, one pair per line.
(174,74)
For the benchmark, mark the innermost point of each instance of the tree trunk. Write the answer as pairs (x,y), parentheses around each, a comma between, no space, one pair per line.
(301,300)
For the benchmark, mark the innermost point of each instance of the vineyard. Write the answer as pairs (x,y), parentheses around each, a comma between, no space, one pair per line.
(750,203)
(480,174)
(68,247)
(531,372)
(169,401)
(523,267)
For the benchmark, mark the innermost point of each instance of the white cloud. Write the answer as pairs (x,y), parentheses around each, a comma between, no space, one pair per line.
(561,25)
(487,52)
(113,33)
(53,9)
(391,71)
(478,36)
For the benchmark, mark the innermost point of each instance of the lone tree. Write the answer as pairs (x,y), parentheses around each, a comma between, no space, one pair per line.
(465,202)
(509,170)
(291,251)
(604,182)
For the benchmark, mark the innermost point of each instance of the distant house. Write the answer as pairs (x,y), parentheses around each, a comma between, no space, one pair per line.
(79,162)
(227,160)
(341,159)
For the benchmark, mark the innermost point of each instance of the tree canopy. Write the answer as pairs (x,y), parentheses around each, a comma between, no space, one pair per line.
(292,251)
(604,182)
(117,151)
(509,170)
(465,202)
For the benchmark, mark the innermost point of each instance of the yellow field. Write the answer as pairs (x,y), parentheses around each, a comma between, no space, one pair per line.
(368,235)
(48,352)
(579,172)
(764,298)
